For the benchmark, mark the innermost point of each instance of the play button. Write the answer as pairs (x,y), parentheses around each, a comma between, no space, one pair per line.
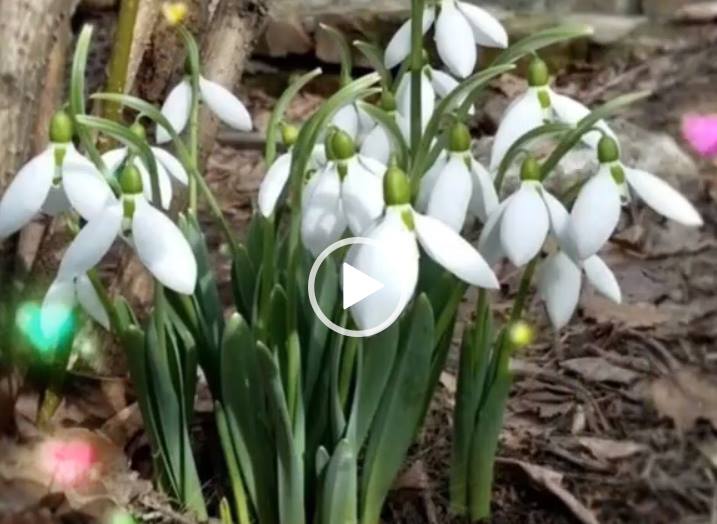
(356,286)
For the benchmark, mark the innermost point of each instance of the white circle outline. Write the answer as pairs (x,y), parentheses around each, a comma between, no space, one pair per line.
(355,333)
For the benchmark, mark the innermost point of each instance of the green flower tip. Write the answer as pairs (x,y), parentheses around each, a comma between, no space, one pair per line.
(289,134)
(530,170)
(61,128)
(538,73)
(130,180)
(396,187)
(139,131)
(388,101)
(459,138)
(608,151)
(341,145)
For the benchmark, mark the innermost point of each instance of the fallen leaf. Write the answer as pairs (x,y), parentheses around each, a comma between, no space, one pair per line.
(415,477)
(598,369)
(686,396)
(552,481)
(639,315)
(603,448)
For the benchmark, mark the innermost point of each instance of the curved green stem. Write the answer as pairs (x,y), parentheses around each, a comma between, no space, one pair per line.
(119,61)
(416,67)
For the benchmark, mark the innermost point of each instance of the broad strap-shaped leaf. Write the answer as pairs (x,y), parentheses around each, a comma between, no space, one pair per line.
(339,497)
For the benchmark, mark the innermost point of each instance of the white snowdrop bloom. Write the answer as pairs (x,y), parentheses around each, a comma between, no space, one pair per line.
(596,211)
(61,298)
(348,192)
(519,226)
(560,279)
(403,100)
(159,243)
(444,84)
(57,180)
(459,27)
(537,106)
(401,229)
(353,121)
(377,143)
(178,105)
(457,184)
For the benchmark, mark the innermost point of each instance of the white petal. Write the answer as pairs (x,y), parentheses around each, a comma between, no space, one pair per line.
(522,115)
(86,189)
(57,308)
(361,197)
(90,301)
(323,220)
(347,120)
(453,252)
(428,98)
(400,45)
(571,112)
(92,242)
(443,83)
(559,283)
(454,40)
(27,192)
(489,243)
(318,157)
(228,108)
(377,145)
(365,124)
(165,183)
(661,197)
(372,165)
(163,249)
(394,264)
(172,164)
(451,193)
(487,30)
(602,278)
(484,198)
(595,213)
(560,224)
(73,156)
(114,158)
(176,109)
(273,184)
(524,225)
(428,181)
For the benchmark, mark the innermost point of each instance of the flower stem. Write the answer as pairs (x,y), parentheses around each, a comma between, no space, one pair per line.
(119,61)
(107,303)
(194,141)
(416,60)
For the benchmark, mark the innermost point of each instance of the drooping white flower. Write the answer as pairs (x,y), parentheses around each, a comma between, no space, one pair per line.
(560,280)
(537,106)
(352,120)
(61,298)
(596,211)
(460,26)
(403,101)
(519,226)
(399,231)
(159,243)
(457,184)
(55,181)
(178,105)
(348,192)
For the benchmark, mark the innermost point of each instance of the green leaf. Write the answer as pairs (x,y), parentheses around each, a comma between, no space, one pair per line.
(400,411)
(339,503)
(344,51)
(541,39)
(232,462)
(388,122)
(278,333)
(244,280)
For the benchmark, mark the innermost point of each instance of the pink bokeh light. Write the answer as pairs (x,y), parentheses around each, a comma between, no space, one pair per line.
(67,462)
(701,132)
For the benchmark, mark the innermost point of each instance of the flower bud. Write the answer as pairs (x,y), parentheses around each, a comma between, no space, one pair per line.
(521,334)
(61,128)
(396,187)
(388,101)
(289,134)
(341,145)
(530,170)
(130,180)
(459,138)
(608,151)
(139,131)
(174,12)
(538,73)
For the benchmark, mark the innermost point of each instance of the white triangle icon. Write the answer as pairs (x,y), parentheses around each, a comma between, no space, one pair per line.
(357,285)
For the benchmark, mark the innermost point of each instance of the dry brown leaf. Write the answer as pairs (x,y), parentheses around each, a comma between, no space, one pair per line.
(686,396)
(603,448)
(552,481)
(598,369)
(639,315)
(415,477)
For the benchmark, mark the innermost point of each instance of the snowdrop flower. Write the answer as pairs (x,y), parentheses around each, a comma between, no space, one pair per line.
(159,244)
(538,105)
(353,121)
(596,211)
(701,132)
(55,181)
(401,229)
(403,101)
(178,106)
(348,192)
(460,26)
(519,226)
(457,184)
(377,143)
(168,167)
(61,298)
(560,279)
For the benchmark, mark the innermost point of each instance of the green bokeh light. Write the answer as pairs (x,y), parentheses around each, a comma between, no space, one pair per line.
(58,324)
